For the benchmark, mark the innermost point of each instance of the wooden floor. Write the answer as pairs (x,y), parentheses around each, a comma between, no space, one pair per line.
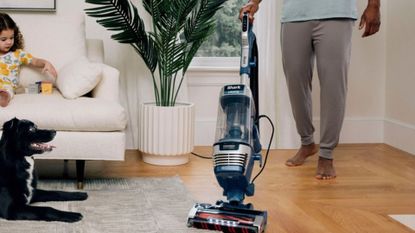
(374,180)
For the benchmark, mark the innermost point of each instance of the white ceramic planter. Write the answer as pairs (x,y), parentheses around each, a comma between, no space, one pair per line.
(166,133)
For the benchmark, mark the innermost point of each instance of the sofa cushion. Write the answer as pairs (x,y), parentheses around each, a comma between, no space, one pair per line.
(78,77)
(55,112)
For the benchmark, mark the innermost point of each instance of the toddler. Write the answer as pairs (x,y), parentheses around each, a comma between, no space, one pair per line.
(12,57)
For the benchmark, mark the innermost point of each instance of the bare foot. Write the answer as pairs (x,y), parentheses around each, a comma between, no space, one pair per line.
(4,98)
(302,154)
(325,169)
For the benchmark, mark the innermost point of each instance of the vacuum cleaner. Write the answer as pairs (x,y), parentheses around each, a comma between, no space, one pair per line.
(236,149)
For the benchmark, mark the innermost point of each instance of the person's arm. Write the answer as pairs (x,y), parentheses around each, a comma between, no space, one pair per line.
(251,7)
(370,19)
(44,65)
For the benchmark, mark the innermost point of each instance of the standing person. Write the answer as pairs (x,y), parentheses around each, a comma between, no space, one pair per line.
(12,57)
(319,30)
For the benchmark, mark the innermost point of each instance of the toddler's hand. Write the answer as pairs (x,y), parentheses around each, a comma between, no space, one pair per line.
(50,69)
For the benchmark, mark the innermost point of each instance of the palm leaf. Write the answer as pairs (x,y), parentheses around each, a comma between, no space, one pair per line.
(201,20)
(121,15)
(199,26)
(163,47)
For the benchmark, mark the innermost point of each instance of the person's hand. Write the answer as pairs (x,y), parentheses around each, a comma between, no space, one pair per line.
(251,8)
(50,69)
(370,20)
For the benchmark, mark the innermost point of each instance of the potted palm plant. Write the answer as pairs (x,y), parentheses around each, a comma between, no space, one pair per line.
(179,27)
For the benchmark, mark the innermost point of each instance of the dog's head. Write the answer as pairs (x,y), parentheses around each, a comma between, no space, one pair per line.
(24,138)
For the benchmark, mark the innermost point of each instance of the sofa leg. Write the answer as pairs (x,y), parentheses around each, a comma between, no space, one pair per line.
(80,173)
(65,169)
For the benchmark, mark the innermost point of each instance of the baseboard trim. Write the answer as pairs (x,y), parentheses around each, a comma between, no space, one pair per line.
(400,135)
(355,130)
(205,132)
(362,130)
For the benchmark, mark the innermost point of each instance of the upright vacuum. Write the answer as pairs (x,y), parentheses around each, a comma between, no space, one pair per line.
(236,149)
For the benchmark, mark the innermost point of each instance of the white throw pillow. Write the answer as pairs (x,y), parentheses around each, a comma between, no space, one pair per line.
(78,77)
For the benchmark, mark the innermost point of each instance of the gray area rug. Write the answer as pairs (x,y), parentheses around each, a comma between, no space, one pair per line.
(147,205)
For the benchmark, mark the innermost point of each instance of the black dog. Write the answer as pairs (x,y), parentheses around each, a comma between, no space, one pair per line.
(20,140)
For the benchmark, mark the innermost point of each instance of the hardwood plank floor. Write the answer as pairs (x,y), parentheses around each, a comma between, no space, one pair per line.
(374,180)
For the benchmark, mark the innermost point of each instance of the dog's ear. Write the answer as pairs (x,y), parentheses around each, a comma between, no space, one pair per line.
(10,124)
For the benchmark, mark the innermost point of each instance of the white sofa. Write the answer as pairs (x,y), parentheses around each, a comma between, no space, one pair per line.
(90,127)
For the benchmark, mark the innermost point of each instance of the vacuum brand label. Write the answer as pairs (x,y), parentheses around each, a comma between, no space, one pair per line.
(230,89)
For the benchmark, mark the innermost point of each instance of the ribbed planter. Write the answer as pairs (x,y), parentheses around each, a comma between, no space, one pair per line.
(166,133)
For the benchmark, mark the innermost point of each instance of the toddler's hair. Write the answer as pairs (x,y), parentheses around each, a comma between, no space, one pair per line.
(6,22)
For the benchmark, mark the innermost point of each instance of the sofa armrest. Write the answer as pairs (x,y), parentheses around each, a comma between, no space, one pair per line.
(108,87)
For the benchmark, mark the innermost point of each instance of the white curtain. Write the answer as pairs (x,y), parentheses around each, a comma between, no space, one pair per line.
(266,30)
(274,100)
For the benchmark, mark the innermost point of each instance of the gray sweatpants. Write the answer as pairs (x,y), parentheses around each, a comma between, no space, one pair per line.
(329,43)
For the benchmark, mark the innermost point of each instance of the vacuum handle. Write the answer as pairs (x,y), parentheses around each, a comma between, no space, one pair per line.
(245,22)
(244,66)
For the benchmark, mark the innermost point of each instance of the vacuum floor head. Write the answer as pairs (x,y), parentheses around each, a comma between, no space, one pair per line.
(227,219)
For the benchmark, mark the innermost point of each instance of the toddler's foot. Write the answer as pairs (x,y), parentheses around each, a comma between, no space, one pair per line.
(303,153)
(325,169)
(4,98)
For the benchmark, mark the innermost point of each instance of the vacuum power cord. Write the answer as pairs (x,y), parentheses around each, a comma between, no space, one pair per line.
(266,154)
(201,156)
(269,145)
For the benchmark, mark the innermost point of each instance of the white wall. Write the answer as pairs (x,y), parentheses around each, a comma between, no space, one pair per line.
(400,75)
(380,107)
(134,76)
(204,87)
(381,99)
(365,106)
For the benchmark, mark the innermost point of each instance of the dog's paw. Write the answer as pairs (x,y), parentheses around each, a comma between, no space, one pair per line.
(71,217)
(80,196)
